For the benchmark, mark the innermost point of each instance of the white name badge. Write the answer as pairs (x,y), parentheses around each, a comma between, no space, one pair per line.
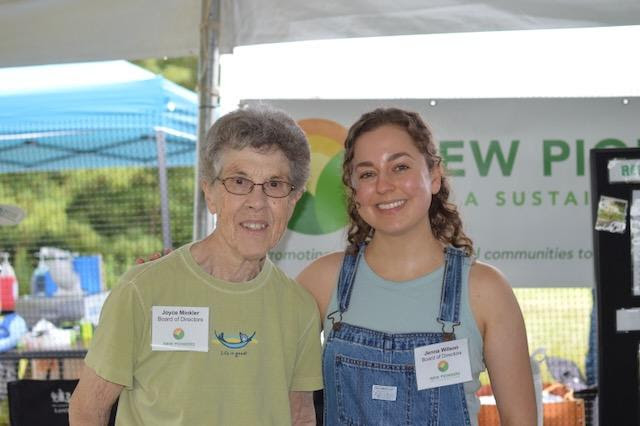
(442,364)
(179,328)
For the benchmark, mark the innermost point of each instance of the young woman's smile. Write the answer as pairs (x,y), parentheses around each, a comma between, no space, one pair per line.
(393,185)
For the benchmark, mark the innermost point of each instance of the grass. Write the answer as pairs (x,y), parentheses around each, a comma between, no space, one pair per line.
(4,413)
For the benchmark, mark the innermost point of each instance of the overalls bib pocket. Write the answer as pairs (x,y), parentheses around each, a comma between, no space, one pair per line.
(385,391)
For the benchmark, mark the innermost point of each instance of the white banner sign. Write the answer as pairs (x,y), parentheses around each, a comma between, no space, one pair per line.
(519,171)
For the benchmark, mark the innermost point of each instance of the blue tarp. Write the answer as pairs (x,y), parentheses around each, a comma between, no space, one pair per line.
(102,114)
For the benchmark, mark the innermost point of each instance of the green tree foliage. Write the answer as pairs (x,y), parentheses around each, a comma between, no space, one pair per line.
(114,212)
(183,71)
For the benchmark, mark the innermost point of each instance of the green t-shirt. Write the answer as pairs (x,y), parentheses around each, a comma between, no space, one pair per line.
(263,342)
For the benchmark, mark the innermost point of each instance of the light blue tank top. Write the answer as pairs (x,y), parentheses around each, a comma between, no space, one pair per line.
(409,307)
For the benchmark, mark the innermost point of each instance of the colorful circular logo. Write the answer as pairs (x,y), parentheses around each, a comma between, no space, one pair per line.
(443,366)
(322,208)
(178,333)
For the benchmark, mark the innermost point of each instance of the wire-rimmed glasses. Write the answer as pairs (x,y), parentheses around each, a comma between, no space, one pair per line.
(273,188)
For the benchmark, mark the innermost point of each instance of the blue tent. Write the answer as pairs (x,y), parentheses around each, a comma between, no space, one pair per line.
(101,114)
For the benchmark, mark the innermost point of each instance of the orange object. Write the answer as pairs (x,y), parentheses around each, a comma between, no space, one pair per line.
(569,412)
(565,413)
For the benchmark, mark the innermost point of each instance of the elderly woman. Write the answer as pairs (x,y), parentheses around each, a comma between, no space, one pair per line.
(214,333)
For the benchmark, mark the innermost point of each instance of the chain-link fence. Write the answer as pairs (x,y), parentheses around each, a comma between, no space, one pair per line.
(98,195)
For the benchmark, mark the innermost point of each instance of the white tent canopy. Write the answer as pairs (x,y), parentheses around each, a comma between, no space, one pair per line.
(246,22)
(58,31)
(55,31)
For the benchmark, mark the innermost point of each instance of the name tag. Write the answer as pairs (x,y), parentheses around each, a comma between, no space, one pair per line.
(442,364)
(384,393)
(179,328)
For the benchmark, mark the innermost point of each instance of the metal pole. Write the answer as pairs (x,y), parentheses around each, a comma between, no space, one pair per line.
(164,189)
(209,101)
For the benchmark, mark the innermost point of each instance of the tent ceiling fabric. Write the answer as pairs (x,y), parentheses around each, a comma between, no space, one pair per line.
(56,31)
(257,21)
(60,31)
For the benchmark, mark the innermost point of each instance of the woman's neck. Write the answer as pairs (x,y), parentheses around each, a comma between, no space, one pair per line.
(406,257)
(222,263)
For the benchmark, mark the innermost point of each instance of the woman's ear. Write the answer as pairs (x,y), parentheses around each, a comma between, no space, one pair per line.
(295,197)
(292,200)
(436,173)
(208,191)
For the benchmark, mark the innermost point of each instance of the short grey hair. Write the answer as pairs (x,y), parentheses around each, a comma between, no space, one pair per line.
(261,128)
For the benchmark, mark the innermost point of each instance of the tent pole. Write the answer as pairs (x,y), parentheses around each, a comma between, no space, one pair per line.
(209,102)
(164,189)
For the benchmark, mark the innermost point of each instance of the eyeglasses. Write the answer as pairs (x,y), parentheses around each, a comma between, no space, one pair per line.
(242,186)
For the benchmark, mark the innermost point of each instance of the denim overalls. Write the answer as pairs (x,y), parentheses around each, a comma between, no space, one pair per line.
(358,363)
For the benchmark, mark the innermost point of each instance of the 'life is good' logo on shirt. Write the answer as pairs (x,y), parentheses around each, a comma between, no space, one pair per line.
(236,343)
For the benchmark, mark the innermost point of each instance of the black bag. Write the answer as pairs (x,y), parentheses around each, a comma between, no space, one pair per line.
(42,402)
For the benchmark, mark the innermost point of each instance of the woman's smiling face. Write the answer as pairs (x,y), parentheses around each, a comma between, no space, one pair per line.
(392,183)
(250,225)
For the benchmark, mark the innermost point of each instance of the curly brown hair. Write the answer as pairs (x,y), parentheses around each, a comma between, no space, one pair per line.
(446,224)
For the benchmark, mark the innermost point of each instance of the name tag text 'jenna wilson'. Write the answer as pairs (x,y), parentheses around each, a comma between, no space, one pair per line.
(442,364)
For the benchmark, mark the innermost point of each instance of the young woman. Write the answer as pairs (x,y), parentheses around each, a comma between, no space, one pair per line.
(410,318)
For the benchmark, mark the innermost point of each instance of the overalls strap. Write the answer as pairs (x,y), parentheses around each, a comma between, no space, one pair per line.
(347,277)
(345,284)
(451,289)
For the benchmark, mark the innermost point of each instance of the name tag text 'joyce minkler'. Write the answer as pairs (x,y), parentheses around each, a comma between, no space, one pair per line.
(180,328)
